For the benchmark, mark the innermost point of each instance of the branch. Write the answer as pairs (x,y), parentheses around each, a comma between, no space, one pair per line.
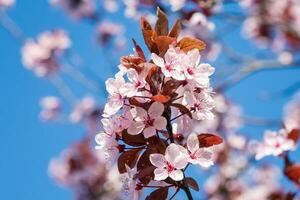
(252,68)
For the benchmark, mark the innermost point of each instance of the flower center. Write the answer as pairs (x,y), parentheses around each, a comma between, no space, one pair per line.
(170,167)
(168,67)
(149,122)
(190,71)
(192,156)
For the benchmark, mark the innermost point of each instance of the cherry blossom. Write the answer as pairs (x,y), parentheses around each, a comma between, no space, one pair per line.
(170,164)
(148,122)
(43,55)
(201,103)
(83,109)
(51,107)
(274,143)
(171,64)
(117,92)
(197,155)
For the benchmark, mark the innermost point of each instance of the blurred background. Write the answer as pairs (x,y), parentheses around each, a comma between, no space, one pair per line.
(29,141)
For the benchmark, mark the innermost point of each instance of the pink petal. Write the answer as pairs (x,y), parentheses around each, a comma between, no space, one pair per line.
(193,143)
(176,175)
(141,114)
(136,128)
(156,109)
(149,131)
(160,174)
(157,60)
(158,160)
(160,123)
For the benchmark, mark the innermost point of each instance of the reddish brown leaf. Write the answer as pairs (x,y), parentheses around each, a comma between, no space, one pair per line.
(207,140)
(182,109)
(186,44)
(192,183)
(156,145)
(159,194)
(139,50)
(175,31)
(294,135)
(162,24)
(161,98)
(144,160)
(128,158)
(170,86)
(163,43)
(293,173)
(149,34)
(146,174)
(133,101)
(133,140)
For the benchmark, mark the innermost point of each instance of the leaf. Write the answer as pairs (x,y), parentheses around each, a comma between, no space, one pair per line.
(133,101)
(293,173)
(163,43)
(294,135)
(146,174)
(149,34)
(128,158)
(161,98)
(159,194)
(170,86)
(182,109)
(144,160)
(186,44)
(139,50)
(175,31)
(207,140)
(162,24)
(192,183)
(156,145)
(133,140)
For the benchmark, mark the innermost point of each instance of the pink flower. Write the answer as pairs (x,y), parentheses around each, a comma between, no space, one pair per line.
(107,143)
(171,65)
(50,108)
(148,122)
(43,55)
(117,92)
(83,109)
(170,164)
(275,143)
(201,103)
(193,70)
(197,155)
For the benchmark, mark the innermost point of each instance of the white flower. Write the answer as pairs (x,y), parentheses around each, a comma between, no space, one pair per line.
(117,92)
(170,164)
(197,155)
(148,122)
(274,144)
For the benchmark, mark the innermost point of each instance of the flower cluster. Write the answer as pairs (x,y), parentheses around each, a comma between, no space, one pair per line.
(42,56)
(275,22)
(78,9)
(51,107)
(275,143)
(150,101)
(83,170)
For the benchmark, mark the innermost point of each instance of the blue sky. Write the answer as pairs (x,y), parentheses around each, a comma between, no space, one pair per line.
(28,145)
